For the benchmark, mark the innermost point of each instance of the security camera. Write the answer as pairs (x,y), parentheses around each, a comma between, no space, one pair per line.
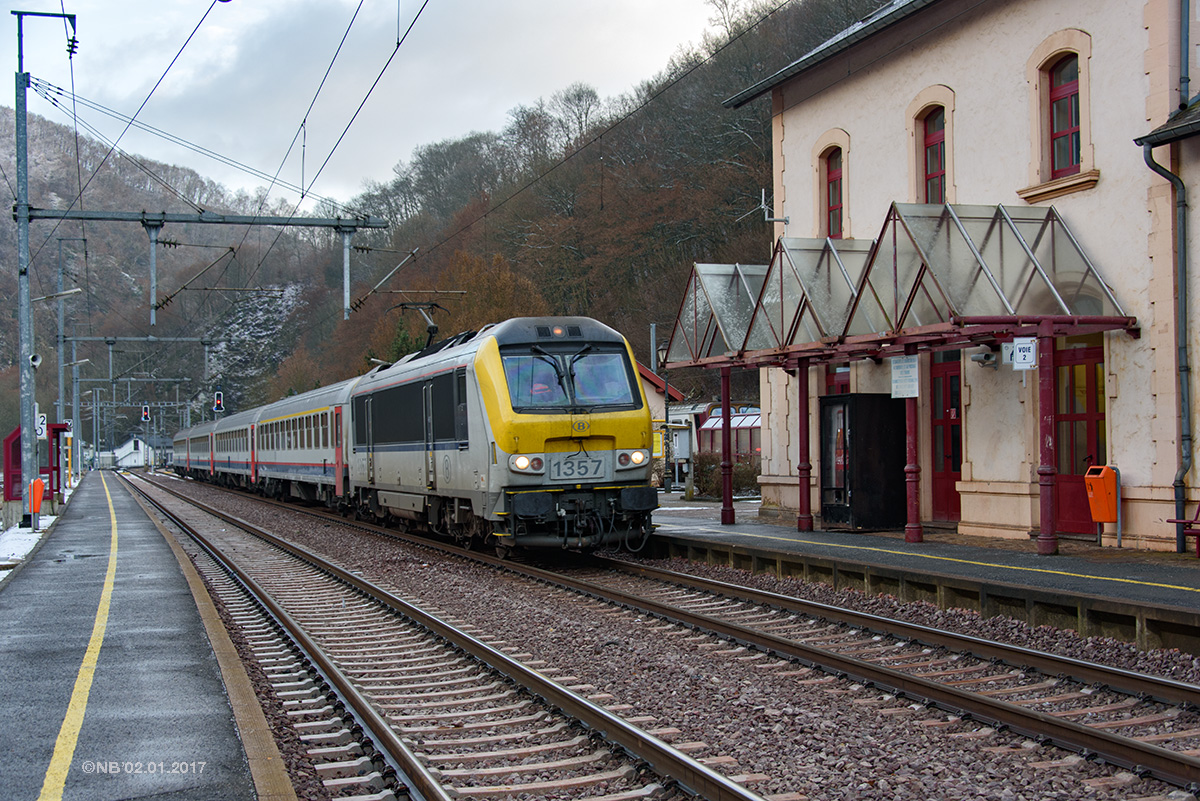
(986,359)
(35,361)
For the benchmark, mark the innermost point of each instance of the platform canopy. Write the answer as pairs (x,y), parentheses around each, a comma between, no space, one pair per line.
(716,312)
(938,277)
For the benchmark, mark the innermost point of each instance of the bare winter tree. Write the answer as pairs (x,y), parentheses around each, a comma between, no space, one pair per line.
(574,107)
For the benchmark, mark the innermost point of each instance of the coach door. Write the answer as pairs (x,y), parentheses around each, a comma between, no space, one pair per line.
(253,455)
(368,403)
(430,454)
(212,454)
(338,458)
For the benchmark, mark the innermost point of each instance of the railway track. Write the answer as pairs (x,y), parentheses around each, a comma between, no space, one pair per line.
(1100,712)
(443,712)
(1146,724)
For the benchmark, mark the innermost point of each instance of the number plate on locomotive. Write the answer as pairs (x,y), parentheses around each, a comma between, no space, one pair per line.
(578,467)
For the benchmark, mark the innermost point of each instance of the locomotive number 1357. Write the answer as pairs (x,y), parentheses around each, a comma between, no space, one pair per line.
(578,467)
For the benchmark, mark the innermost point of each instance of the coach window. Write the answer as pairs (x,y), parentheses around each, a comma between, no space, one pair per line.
(324,429)
(1059,77)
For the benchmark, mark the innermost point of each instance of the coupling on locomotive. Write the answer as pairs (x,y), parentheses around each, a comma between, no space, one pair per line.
(534,432)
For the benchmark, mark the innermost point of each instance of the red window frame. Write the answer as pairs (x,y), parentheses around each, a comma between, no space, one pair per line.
(1064,117)
(833,194)
(934,153)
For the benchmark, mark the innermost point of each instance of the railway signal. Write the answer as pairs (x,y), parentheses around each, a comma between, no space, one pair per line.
(145,413)
(218,402)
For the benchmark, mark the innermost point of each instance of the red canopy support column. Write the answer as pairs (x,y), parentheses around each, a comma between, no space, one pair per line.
(912,471)
(1047,541)
(804,518)
(726,450)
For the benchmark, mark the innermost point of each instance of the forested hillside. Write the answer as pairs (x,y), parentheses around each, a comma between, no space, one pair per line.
(580,205)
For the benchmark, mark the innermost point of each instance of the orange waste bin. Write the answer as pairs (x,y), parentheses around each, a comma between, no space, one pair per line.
(37,488)
(1101,483)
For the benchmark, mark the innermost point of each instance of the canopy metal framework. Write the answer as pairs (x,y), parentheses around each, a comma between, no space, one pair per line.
(717,308)
(938,277)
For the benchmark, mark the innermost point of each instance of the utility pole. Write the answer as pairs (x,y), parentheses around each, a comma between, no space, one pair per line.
(26,360)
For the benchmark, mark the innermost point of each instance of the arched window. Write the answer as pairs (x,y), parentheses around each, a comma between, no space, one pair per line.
(833,193)
(1060,132)
(1064,117)
(934,152)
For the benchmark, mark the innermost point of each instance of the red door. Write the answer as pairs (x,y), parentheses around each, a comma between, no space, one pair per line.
(1079,428)
(946,429)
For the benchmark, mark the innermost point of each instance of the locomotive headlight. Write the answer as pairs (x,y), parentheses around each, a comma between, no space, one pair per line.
(525,463)
(630,459)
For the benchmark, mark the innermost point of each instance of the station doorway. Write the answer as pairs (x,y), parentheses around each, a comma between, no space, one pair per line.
(945,377)
(1079,426)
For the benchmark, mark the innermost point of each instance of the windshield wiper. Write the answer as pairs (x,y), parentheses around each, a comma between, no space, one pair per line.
(576,357)
(549,359)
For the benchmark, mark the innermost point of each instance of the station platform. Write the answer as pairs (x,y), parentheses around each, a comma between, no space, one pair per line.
(1149,597)
(113,689)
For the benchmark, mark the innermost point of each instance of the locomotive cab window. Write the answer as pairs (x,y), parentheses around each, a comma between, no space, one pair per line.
(591,377)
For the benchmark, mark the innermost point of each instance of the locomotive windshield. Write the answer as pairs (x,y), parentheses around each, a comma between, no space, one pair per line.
(586,378)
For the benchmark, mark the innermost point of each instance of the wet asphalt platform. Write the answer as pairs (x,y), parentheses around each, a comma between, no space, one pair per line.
(111,689)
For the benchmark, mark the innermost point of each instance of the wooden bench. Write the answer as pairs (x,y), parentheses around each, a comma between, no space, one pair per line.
(1191,528)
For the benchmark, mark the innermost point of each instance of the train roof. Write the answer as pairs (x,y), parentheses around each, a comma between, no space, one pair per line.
(312,400)
(522,330)
(517,331)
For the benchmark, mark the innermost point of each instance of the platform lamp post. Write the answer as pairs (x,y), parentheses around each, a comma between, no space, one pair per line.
(27,359)
(668,450)
(76,449)
(83,397)
(61,295)
(97,424)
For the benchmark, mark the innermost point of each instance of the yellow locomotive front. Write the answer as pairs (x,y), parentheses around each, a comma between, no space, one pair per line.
(570,435)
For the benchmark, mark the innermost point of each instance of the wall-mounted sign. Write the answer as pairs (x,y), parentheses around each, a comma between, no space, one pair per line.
(1025,353)
(906,377)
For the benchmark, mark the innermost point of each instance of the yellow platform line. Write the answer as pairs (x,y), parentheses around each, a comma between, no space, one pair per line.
(68,735)
(895,552)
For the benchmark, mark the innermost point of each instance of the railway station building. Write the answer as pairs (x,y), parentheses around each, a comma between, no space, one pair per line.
(977,296)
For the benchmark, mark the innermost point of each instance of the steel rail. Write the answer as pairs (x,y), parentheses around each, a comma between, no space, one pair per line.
(1124,681)
(412,773)
(691,775)
(1141,758)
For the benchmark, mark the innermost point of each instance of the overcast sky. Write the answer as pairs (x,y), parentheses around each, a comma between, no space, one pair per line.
(243,84)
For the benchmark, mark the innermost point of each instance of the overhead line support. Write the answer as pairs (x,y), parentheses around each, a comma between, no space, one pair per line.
(153,222)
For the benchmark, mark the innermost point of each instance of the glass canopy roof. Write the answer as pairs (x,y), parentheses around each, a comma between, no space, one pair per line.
(716,312)
(938,276)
